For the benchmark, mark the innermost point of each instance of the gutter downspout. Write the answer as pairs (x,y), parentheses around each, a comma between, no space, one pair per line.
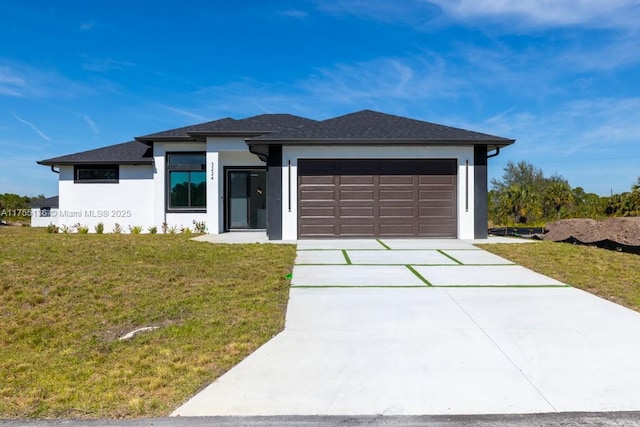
(494,154)
(53,170)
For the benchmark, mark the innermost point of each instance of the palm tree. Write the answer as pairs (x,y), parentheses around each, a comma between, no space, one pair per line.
(556,196)
(519,202)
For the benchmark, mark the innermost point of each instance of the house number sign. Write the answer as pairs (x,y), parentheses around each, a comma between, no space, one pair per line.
(212,171)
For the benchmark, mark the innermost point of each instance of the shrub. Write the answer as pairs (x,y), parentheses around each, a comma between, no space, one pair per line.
(200,226)
(82,229)
(153,230)
(165,228)
(185,230)
(52,229)
(117,228)
(65,229)
(136,229)
(99,228)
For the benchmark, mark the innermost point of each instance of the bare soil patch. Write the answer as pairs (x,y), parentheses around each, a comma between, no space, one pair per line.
(625,231)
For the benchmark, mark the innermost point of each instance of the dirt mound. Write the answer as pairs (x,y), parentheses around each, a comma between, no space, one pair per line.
(625,231)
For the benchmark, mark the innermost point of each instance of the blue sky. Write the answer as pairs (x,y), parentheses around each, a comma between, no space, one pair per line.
(561,77)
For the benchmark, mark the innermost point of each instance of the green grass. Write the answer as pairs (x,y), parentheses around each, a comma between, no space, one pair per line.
(612,275)
(65,300)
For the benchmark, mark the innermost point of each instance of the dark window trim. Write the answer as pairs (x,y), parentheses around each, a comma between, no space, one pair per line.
(225,200)
(189,167)
(77,168)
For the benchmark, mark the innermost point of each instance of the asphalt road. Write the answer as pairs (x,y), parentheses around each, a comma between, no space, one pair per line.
(529,420)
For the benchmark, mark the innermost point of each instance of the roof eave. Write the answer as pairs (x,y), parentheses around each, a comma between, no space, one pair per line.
(54,162)
(359,141)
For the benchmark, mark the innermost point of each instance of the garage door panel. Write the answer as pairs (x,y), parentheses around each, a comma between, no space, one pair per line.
(439,230)
(318,230)
(435,180)
(360,211)
(383,197)
(399,230)
(396,211)
(318,180)
(351,194)
(396,180)
(318,211)
(357,179)
(397,194)
(435,195)
(431,212)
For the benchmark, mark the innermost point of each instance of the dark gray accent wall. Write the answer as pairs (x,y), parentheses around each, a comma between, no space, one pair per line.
(274,193)
(480,207)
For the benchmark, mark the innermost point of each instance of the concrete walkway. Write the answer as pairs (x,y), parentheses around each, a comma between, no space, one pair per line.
(411,327)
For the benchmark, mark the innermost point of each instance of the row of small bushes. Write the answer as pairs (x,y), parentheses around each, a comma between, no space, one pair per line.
(199,227)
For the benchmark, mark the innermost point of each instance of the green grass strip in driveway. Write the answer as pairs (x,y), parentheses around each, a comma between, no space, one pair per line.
(346,257)
(356,286)
(449,256)
(385,246)
(418,275)
(501,286)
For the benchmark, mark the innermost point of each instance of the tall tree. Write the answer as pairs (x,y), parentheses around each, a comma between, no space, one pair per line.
(556,197)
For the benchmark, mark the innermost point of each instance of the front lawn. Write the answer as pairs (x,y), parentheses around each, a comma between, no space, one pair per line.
(66,298)
(612,275)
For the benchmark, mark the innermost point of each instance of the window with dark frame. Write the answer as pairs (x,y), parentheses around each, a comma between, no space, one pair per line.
(186,182)
(108,174)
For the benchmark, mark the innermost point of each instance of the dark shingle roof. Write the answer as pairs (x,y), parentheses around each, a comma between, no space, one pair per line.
(133,152)
(183,131)
(371,126)
(50,202)
(250,126)
(363,127)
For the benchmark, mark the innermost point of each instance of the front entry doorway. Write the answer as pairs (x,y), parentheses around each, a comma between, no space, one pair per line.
(246,191)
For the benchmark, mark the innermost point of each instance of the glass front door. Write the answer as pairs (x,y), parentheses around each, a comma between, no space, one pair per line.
(246,199)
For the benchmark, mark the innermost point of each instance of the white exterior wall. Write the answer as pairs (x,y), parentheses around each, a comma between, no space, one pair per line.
(128,202)
(293,153)
(37,220)
(221,153)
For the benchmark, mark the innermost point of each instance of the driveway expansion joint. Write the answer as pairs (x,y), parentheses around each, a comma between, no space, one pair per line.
(501,350)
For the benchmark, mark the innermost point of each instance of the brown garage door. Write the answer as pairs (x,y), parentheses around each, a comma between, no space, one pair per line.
(377,198)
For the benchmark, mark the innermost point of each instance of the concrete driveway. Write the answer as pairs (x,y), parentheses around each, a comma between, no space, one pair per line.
(411,327)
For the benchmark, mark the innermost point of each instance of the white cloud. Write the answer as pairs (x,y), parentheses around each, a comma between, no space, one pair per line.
(85,26)
(32,126)
(11,82)
(597,13)
(183,112)
(90,123)
(294,13)
(105,64)
(413,12)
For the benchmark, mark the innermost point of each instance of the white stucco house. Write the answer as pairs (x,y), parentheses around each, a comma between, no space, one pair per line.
(44,212)
(365,174)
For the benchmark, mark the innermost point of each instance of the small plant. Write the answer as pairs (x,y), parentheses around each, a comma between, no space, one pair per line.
(82,229)
(52,229)
(185,230)
(153,230)
(200,227)
(165,228)
(99,228)
(173,229)
(65,229)
(136,229)
(117,228)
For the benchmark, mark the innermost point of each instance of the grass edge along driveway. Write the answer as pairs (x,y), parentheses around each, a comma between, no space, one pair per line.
(612,275)
(65,300)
